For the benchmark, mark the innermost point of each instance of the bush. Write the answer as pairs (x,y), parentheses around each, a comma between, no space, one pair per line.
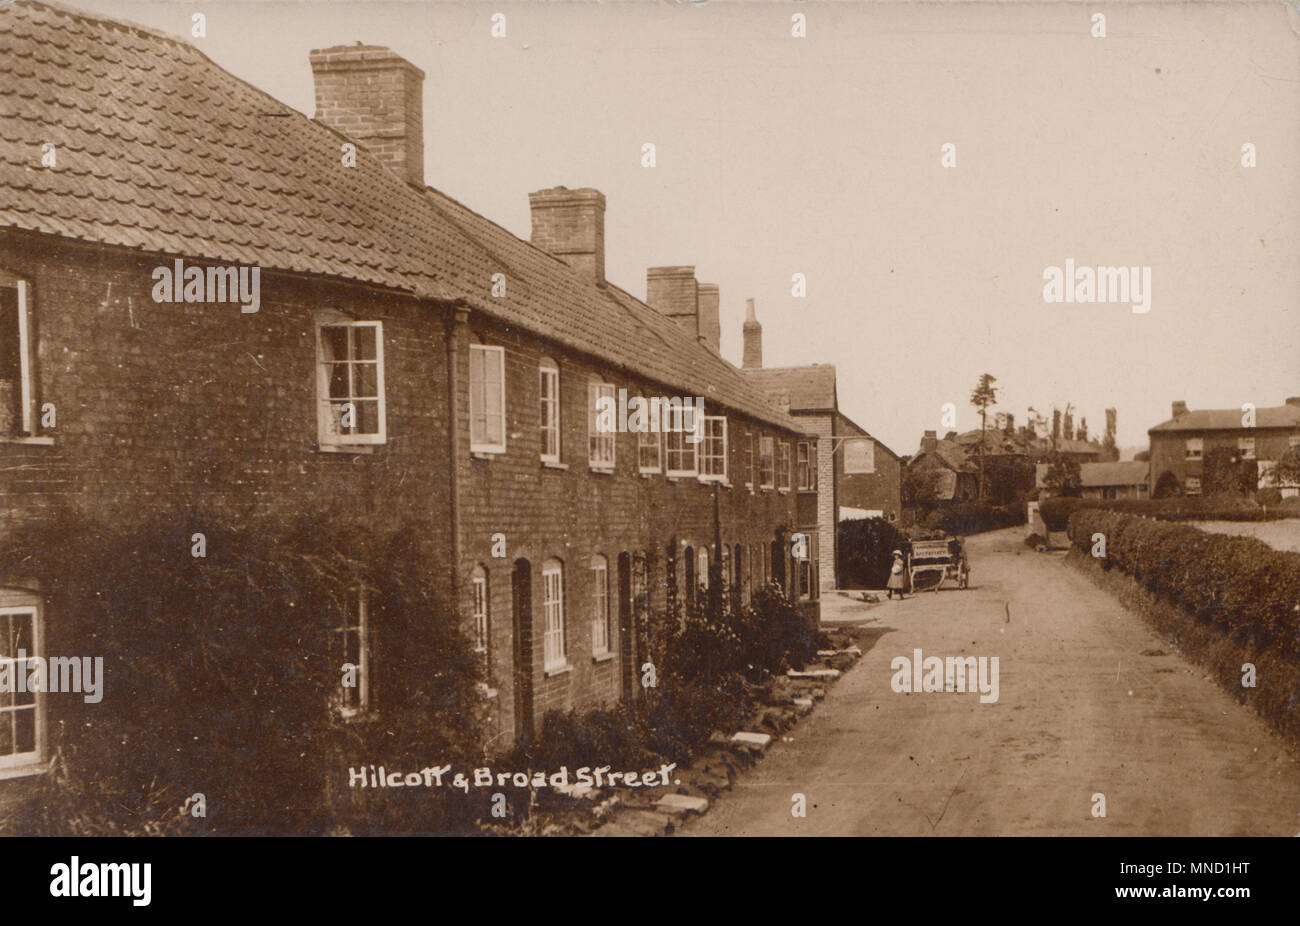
(1036,542)
(223,677)
(864,551)
(702,686)
(1240,584)
(1221,507)
(966,518)
(1056,511)
(1269,497)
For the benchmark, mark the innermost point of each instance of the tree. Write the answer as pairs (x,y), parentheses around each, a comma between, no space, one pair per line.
(984,395)
(921,487)
(1108,442)
(1286,471)
(1083,429)
(1062,476)
(1225,471)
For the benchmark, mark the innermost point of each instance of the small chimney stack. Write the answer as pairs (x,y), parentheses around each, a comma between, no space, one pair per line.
(373,96)
(753,331)
(1179,408)
(708,299)
(672,291)
(928,442)
(570,224)
(1293,400)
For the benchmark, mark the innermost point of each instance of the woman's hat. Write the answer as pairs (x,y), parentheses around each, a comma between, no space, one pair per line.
(897,553)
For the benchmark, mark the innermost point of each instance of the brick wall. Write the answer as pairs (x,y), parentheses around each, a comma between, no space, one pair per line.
(879,490)
(574,514)
(1169,449)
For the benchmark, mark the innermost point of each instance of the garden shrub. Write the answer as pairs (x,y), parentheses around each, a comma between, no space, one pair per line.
(864,551)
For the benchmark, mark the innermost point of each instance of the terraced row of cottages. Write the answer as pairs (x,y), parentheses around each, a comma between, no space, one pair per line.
(404,357)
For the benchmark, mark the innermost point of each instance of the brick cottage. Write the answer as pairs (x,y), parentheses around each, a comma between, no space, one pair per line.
(407,358)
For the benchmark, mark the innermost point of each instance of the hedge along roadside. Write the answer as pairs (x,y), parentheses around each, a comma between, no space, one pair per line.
(1055,510)
(1238,584)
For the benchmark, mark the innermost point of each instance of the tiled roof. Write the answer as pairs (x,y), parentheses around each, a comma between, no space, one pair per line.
(1229,419)
(159,149)
(1096,475)
(947,453)
(809,388)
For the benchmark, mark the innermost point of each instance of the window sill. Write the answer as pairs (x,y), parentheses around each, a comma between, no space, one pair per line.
(24,771)
(602,657)
(602,470)
(783,491)
(647,473)
(30,441)
(553,671)
(766,488)
(487,693)
(553,464)
(675,477)
(347,448)
(485,454)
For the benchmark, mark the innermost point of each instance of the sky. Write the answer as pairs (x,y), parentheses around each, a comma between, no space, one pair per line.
(821,155)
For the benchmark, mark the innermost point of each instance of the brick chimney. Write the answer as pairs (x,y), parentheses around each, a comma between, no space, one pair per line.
(672,291)
(571,225)
(373,96)
(928,442)
(1179,408)
(753,359)
(708,299)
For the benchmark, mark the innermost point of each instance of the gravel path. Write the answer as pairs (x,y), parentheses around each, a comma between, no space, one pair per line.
(1087,704)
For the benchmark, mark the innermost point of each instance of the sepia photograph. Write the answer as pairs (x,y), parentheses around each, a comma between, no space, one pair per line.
(649,418)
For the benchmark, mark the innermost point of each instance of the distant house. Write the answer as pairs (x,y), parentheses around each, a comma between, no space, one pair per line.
(1107,480)
(1080,451)
(1179,446)
(944,463)
(846,473)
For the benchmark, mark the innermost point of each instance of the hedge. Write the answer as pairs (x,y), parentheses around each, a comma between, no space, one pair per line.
(966,518)
(1056,510)
(1239,584)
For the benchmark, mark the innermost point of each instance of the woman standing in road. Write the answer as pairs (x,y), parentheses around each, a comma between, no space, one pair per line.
(897,582)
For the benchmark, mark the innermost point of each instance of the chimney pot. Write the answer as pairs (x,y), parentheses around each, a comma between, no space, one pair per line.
(753,332)
(928,442)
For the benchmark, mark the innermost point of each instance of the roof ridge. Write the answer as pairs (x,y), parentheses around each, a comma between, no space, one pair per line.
(104,20)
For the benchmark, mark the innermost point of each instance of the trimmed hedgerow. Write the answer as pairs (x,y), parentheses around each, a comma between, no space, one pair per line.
(1239,584)
(223,677)
(1222,507)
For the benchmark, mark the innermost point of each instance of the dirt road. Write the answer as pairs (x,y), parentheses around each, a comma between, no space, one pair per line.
(1084,707)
